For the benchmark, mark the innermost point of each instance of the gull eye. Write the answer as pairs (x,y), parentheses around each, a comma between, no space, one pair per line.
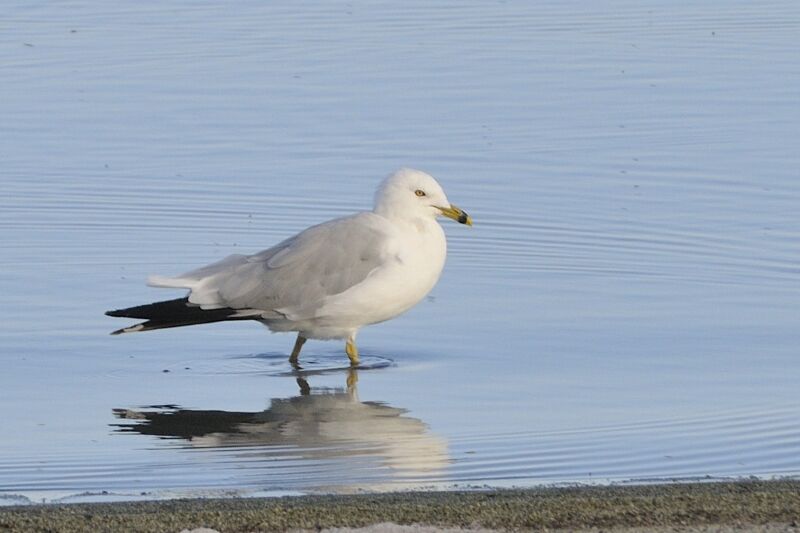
(420,193)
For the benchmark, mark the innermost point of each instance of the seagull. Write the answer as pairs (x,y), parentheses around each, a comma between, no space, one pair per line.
(327,281)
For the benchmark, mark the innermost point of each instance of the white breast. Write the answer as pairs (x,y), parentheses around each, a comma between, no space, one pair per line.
(393,289)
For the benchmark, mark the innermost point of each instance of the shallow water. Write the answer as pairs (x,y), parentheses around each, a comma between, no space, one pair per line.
(625,308)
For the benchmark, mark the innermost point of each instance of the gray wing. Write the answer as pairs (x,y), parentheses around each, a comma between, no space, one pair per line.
(303,270)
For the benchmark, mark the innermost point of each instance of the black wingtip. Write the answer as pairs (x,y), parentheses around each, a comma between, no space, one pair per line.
(172,314)
(142,326)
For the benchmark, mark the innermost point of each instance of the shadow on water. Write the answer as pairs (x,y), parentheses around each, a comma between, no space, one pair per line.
(319,426)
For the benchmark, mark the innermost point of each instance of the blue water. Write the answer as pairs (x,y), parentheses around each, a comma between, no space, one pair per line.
(625,308)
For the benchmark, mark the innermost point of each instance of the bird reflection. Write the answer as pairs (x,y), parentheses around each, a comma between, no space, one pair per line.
(318,424)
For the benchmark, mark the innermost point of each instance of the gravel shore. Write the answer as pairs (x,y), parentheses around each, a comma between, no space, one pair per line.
(721,506)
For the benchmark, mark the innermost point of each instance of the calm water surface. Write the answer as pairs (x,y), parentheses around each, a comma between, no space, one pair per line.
(625,308)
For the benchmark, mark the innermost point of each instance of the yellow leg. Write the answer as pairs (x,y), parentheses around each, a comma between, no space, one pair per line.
(298,345)
(352,352)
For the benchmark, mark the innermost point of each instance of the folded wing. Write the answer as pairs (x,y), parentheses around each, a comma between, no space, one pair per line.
(296,274)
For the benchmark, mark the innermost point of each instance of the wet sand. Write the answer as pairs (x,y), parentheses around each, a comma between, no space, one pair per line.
(718,506)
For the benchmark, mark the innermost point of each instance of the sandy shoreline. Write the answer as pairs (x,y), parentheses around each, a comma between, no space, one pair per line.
(775,504)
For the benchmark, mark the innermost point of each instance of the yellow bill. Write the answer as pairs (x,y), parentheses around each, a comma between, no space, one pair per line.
(456,214)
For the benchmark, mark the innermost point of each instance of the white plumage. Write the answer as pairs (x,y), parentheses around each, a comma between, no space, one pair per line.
(331,279)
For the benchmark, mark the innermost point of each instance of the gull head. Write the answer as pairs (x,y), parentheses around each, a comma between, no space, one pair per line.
(410,194)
